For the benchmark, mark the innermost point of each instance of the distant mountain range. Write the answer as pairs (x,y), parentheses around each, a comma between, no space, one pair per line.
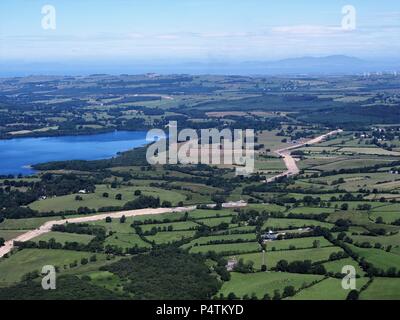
(329,65)
(334,65)
(337,64)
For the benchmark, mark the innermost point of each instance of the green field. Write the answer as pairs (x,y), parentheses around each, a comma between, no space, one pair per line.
(96,200)
(176,226)
(10,234)
(297,243)
(311,210)
(379,258)
(213,222)
(269,207)
(327,289)
(12,269)
(385,241)
(124,240)
(201,214)
(169,237)
(26,224)
(293,223)
(382,289)
(115,225)
(63,237)
(272,258)
(337,265)
(262,283)
(361,218)
(227,248)
(372,151)
(229,237)
(350,164)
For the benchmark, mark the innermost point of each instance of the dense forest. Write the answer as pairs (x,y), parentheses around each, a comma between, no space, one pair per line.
(167,273)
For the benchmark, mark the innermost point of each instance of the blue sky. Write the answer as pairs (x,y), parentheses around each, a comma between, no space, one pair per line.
(197,29)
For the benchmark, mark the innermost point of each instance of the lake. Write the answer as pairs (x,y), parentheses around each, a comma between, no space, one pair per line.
(16,155)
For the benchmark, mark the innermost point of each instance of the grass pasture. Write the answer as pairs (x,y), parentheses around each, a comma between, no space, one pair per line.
(379,258)
(63,237)
(96,200)
(382,289)
(337,265)
(176,226)
(126,241)
(272,258)
(262,283)
(284,224)
(227,248)
(169,237)
(230,237)
(10,234)
(327,289)
(13,268)
(299,243)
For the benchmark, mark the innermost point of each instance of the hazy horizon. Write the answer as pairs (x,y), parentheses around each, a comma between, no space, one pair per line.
(151,36)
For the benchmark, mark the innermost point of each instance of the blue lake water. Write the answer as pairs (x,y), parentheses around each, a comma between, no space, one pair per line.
(16,155)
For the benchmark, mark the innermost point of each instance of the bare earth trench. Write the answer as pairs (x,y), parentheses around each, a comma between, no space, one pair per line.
(290,163)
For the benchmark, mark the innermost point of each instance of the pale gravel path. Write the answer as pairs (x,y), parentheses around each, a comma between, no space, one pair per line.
(47,226)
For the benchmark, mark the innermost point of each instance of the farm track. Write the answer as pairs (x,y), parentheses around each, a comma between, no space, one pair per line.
(47,227)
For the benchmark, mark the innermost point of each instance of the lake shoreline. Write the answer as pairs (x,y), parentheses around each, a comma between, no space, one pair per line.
(56,133)
(21,155)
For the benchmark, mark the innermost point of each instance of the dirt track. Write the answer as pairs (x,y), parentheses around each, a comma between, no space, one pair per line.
(290,162)
(46,227)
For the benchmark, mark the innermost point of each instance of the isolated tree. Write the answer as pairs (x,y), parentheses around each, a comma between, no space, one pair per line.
(353,295)
(378,245)
(118,196)
(316,244)
(379,220)
(231,296)
(289,291)
(105,195)
(266,297)
(108,220)
(2,241)
(122,219)
(138,193)
(78,198)
(282,265)
(344,207)
(166,204)
(277,295)
(263,268)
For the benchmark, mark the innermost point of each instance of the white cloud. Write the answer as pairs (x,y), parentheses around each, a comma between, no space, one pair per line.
(311,30)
